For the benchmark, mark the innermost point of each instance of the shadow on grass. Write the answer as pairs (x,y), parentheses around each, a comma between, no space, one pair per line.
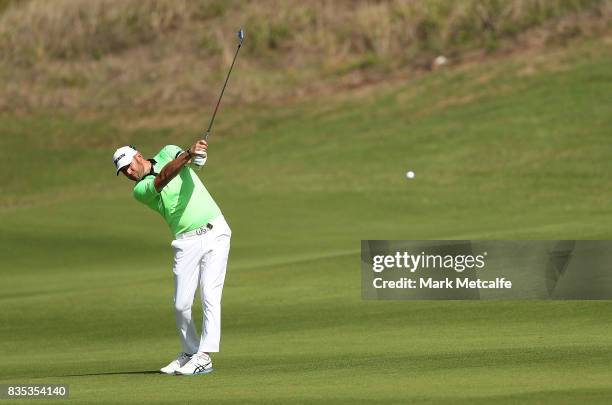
(115,373)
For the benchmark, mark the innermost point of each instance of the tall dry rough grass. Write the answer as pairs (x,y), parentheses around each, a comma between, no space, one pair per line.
(88,53)
(65,29)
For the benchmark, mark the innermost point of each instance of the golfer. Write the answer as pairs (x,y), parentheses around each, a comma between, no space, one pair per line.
(201,244)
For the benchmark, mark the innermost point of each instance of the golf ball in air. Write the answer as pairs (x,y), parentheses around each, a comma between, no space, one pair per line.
(410,174)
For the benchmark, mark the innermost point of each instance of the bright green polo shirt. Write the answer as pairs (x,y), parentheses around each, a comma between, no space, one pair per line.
(184,203)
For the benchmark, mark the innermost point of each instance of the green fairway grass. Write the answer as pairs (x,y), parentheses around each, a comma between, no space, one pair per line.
(517,147)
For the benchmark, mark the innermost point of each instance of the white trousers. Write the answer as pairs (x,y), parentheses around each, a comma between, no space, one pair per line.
(200,260)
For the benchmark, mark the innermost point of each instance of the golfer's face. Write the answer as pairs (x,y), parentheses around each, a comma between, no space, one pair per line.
(135,170)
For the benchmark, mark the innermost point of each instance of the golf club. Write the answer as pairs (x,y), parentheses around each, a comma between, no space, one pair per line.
(200,160)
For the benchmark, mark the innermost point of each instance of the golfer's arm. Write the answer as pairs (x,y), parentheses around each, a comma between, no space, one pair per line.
(171,170)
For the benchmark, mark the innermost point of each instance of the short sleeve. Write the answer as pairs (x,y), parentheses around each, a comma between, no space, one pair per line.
(172,151)
(144,191)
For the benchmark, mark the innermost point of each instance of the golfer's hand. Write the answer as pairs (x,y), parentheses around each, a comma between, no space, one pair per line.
(199,148)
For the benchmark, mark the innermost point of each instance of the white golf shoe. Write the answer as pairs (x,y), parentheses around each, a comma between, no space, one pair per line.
(180,361)
(200,363)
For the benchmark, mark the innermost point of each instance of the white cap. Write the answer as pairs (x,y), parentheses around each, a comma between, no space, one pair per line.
(123,157)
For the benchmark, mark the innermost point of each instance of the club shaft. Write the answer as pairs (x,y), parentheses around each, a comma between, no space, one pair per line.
(212,120)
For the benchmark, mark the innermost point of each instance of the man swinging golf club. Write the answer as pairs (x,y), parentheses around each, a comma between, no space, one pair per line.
(201,245)
(202,237)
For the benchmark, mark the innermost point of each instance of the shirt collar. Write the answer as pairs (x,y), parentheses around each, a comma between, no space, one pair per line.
(152,172)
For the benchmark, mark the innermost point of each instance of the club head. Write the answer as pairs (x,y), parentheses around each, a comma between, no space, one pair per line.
(240,35)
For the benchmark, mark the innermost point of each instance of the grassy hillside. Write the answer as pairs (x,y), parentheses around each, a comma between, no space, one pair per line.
(509,139)
(511,148)
(77,55)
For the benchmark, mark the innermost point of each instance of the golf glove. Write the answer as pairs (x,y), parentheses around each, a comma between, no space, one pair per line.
(200,159)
